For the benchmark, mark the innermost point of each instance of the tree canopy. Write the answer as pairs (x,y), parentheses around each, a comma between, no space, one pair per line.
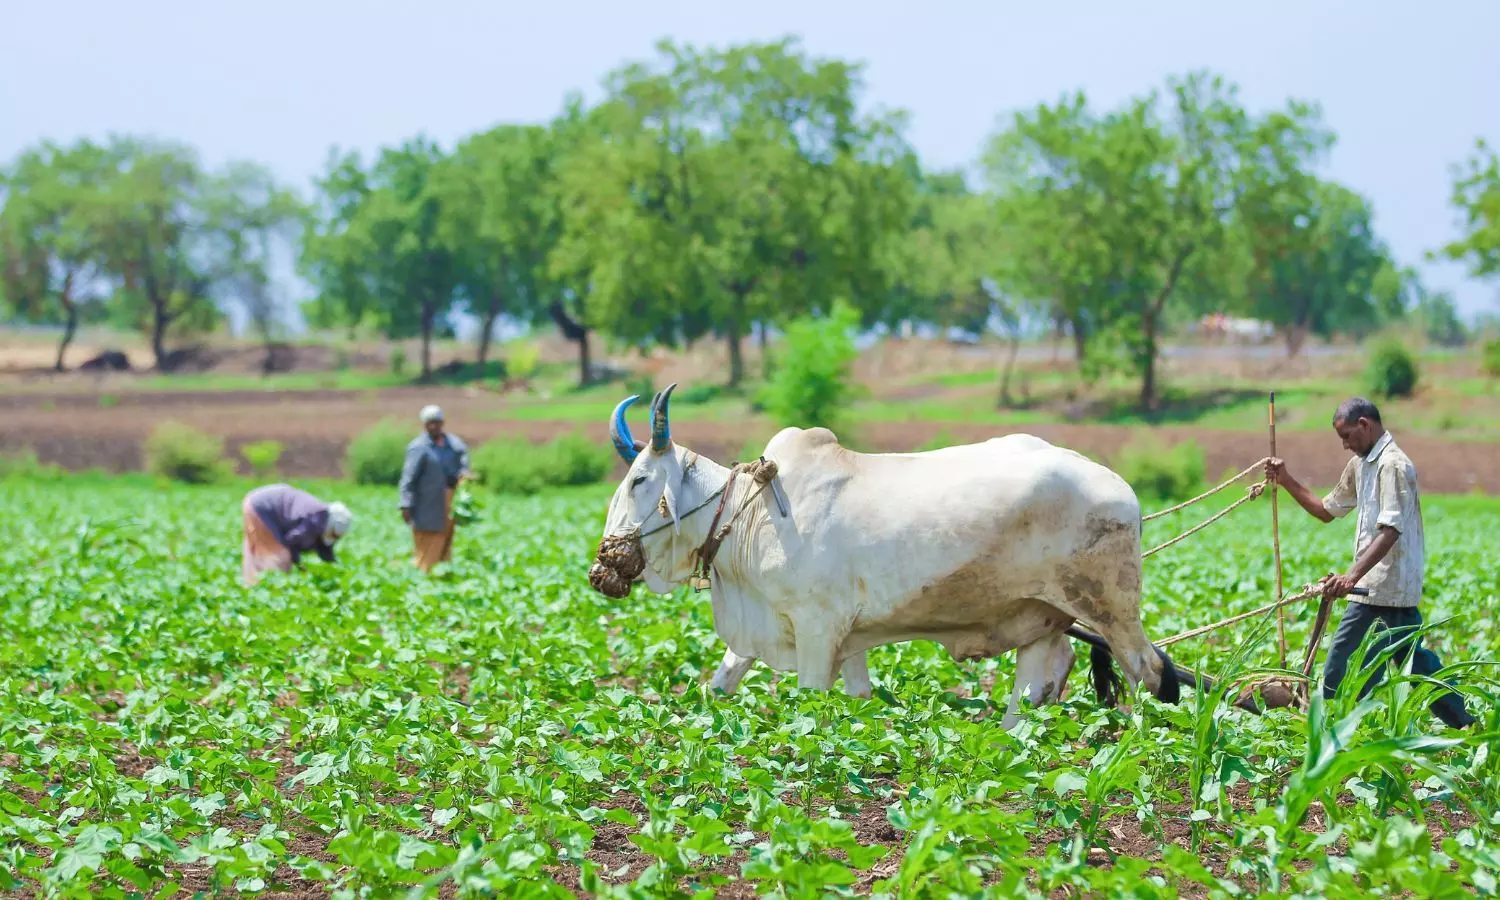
(717,193)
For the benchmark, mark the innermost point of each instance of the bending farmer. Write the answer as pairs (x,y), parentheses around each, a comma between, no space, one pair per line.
(282,523)
(1381,484)
(435,462)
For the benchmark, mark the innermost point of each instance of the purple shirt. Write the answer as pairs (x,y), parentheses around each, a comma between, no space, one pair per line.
(295,518)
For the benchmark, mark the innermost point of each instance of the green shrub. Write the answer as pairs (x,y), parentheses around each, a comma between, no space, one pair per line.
(517,466)
(376,455)
(812,384)
(262,457)
(1393,372)
(398,360)
(521,363)
(183,453)
(23,464)
(1490,358)
(1158,473)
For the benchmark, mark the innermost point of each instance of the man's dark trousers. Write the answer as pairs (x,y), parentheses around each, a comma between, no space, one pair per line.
(1396,625)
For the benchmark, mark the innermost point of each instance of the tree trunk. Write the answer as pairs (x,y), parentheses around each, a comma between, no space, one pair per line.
(736,355)
(427,317)
(1296,336)
(734,335)
(1010,367)
(585,372)
(485,328)
(1148,374)
(576,332)
(69,329)
(159,334)
(765,351)
(1151,321)
(1080,340)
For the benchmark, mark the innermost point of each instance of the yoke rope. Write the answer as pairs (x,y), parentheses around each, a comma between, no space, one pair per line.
(1208,493)
(1254,491)
(1308,590)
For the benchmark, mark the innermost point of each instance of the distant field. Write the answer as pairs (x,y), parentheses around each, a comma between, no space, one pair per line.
(914,394)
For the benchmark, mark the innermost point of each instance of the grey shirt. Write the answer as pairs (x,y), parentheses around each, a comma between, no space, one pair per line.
(430,469)
(1382,488)
(294,517)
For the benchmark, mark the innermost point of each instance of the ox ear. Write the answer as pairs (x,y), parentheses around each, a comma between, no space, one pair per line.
(669,506)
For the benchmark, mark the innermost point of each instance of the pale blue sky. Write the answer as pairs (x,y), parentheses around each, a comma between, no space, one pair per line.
(281,82)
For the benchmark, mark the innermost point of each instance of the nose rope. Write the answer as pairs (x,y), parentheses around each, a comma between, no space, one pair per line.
(621,557)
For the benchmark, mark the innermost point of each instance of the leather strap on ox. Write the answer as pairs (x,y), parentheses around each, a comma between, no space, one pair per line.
(763,471)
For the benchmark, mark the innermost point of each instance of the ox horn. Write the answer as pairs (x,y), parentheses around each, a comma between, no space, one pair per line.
(619,432)
(661,425)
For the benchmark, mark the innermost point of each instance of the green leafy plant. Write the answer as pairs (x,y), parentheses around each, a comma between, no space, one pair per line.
(1393,371)
(1490,358)
(812,383)
(518,466)
(376,455)
(262,457)
(523,359)
(509,732)
(183,453)
(1160,473)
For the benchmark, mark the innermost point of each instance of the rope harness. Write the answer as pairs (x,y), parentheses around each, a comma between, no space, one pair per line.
(621,557)
(762,471)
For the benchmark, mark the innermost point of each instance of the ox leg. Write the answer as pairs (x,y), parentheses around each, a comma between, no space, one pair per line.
(731,670)
(817,656)
(1042,668)
(856,672)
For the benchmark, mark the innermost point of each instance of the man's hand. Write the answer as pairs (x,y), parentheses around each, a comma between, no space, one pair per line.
(1275,470)
(1339,586)
(1277,474)
(406,515)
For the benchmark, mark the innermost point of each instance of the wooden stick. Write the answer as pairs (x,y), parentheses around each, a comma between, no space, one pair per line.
(1276,541)
(1316,637)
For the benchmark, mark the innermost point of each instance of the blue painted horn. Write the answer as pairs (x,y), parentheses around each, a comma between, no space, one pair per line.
(661,425)
(619,432)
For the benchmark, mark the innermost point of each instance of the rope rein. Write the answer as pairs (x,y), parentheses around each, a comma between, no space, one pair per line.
(1251,493)
(1308,590)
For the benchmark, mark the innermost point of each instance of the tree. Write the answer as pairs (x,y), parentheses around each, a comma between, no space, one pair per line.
(724,189)
(955,262)
(500,223)
(378,253)
(249,219)
(1476,193)
(151,226)
(1317,263)
(53,266)
(1126,208)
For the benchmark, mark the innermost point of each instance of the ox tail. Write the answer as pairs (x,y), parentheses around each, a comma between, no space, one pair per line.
(1109,686)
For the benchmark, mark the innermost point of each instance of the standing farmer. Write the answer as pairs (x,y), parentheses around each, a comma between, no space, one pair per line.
(282,523)
(1381,484)
(435,462)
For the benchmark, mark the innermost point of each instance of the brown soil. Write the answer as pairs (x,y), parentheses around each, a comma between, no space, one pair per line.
(74,431)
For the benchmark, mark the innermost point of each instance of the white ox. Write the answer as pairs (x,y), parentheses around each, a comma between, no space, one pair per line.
(983,547)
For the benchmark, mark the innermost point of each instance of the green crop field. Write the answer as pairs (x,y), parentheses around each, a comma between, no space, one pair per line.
(501,730)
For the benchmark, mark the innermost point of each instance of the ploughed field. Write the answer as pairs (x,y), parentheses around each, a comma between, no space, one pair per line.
(501,730)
